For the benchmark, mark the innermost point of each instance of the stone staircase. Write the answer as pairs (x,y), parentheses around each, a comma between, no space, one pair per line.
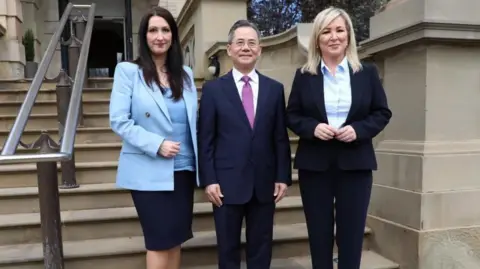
(100,226)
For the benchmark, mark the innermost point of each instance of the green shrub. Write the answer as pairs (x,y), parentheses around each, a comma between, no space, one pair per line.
(28,42)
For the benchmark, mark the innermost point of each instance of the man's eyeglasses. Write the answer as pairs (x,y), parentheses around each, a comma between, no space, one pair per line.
(251,43)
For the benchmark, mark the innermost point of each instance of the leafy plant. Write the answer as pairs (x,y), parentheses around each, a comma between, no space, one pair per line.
(28,42)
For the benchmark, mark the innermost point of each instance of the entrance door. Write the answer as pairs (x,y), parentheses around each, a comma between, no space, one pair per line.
(107,47)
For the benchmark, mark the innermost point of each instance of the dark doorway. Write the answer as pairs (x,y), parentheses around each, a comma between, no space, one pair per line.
(107,44)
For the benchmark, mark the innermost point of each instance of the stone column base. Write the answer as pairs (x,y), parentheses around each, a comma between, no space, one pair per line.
(457,248)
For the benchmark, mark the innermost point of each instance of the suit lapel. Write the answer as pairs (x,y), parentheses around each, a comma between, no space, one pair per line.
(316,86)
(356,92)
(231,91)
(263,89)
(157,96)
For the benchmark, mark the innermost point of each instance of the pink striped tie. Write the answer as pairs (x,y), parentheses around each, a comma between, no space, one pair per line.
(247,100)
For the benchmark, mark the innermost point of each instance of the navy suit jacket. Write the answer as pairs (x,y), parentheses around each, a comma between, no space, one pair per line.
(244,161)
(368,115)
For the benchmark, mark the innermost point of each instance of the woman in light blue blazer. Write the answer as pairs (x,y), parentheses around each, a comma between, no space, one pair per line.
(153,109)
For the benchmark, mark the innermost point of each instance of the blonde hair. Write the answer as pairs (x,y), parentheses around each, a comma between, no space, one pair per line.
(322,20)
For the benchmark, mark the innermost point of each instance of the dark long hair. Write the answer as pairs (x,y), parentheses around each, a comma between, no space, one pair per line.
(177,76)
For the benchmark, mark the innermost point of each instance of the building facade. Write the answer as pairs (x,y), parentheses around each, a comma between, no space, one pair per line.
(111,37)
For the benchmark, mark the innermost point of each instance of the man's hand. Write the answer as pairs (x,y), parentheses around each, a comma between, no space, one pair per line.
(214,194)
(280,191)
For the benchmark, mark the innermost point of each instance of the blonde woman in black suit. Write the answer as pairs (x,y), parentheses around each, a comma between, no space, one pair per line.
(336,106)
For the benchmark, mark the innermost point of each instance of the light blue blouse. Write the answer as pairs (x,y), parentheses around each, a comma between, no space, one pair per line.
(337,93)
(185,159)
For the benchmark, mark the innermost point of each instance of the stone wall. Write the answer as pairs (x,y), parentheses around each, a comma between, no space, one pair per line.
(12,56)
(422,211)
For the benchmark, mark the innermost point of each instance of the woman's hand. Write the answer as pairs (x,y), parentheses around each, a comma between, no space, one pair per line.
(346,134)
(325,132)
(169,149)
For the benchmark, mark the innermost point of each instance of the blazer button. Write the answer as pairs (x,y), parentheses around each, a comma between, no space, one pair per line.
(147,114)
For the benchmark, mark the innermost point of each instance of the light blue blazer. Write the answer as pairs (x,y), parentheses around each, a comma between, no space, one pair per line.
(139,115)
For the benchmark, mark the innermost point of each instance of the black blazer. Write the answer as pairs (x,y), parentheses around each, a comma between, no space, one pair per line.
(369,114)
(244,161)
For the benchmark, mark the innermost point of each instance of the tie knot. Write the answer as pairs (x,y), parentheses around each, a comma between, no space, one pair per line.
(246,79)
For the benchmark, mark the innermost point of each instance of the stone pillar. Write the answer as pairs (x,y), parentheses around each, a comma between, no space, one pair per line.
(424,210)
(12,56)
(174,6)
(201,26)
(47,24)
(139,8)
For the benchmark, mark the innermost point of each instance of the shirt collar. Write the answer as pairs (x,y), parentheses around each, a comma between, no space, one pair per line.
(237,76)
(342,67)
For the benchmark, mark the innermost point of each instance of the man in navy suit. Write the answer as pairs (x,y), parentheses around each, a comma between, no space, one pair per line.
(244,151)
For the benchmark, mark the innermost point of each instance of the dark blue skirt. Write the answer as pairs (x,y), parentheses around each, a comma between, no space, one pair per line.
(166,216)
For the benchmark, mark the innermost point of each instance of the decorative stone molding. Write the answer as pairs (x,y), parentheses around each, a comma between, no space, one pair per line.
(186,13)
(270,41)
(3,30)
(216,48)
(3,18)
(174,6)
(431,148)
(188,48)
(430,30)
(303,36)
(33,2)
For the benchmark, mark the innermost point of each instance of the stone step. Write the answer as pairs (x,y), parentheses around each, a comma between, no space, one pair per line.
(89,94)
(100,82)
(128,252)
(94,152)
(95,163)
(370,260)
(119,222)
(86,196)
(84,135)
(6,84)
(25,175)
(38,121)
(50,106)
(88,137)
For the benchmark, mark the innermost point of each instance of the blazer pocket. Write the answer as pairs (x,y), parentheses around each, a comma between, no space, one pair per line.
(223,164)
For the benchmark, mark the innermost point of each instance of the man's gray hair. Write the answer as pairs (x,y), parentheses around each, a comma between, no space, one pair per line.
(240,24)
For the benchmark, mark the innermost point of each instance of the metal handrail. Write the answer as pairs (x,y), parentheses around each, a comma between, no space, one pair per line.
(7,156)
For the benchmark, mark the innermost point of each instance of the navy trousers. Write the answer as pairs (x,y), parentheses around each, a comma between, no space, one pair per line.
(259,232)
(340,197)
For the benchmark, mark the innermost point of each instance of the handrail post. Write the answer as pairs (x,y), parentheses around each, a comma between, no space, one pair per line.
(11,143)
(62,8)
(80,76)
(63,93)
(49,205)
(73,55)
(80,24)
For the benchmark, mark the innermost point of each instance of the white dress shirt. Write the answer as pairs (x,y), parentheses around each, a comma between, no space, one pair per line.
(237,76)
(337,93)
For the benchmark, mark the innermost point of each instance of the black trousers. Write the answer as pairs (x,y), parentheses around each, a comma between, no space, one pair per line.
(340,197)
(259,232)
